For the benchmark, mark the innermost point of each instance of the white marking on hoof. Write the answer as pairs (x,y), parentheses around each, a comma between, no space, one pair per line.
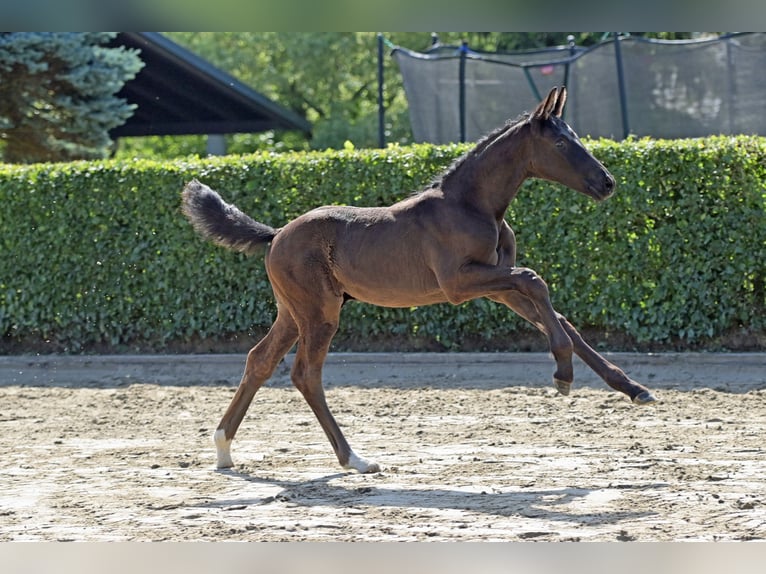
(562,386)
(644,398)
(223,449)
(361,465)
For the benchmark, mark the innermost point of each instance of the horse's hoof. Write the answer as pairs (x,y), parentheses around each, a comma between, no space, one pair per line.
(223,449)
(644,398)
(562,386)
(361,465)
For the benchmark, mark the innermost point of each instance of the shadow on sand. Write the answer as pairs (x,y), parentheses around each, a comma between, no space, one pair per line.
(521,501)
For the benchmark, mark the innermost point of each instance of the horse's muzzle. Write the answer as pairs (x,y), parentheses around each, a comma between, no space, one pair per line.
(602,186)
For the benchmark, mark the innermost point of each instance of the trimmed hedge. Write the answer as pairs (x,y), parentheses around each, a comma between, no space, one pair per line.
(97,255)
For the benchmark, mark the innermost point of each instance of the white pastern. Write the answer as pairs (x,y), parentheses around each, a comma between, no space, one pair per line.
(223,449)
(361,465)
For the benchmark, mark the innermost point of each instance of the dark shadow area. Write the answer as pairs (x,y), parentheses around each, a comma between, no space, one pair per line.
(532,503)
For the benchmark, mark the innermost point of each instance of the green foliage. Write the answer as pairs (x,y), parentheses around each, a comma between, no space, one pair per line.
(57,94)
(160,147)
(330,78)
(97,253)
(173,147)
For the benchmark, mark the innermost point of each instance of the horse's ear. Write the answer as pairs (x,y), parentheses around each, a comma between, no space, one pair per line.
(544,108)
(558,108)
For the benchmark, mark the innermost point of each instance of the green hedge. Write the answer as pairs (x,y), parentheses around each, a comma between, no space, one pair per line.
(96,255)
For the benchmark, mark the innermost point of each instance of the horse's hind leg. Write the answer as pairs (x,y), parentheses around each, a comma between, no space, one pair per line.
(610,373)
(262,360)
(314,342)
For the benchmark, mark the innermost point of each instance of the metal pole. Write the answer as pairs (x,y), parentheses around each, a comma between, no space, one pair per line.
(572,52)
(732,91)
(621,86)
(381,105)
(532,85)
(461,72)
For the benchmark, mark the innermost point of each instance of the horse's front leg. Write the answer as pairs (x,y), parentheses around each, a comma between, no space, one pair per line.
(499,283)
(506,258)
(610,373)
(506,246)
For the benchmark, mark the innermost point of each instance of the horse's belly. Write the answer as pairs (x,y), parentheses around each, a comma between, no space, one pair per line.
(396,298)
(391,289)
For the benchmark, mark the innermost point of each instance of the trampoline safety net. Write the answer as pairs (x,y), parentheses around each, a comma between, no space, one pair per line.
(630,85)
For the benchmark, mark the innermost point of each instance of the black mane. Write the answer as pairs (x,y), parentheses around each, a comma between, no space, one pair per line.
(480,146)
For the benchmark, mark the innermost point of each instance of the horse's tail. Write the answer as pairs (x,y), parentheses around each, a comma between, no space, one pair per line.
(222,223)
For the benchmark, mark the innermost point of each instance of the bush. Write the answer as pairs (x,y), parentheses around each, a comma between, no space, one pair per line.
(96,255)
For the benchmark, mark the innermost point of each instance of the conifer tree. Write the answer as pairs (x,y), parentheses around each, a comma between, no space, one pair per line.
(57,94)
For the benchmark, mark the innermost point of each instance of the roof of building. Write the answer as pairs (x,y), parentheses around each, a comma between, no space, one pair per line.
(178,92)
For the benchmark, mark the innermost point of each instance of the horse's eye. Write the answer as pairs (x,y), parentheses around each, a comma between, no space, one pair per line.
(561,144)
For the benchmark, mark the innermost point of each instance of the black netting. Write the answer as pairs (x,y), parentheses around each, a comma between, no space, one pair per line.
(672,89)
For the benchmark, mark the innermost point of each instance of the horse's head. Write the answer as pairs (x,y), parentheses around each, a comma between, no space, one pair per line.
(559,155)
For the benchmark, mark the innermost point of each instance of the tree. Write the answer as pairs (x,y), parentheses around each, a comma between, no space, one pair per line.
(57,94)
(329,78)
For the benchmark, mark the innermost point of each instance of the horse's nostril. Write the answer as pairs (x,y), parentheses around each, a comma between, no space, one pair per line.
(609,182)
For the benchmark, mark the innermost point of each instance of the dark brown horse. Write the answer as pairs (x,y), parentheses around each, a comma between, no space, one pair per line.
(449,243)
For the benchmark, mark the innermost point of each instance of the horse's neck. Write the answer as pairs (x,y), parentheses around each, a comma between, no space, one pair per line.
(496,174)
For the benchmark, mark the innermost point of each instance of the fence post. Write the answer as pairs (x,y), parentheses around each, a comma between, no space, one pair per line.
(381,105)
(732,91)
(532,85)
(621,86)
(568,65)
(461,73)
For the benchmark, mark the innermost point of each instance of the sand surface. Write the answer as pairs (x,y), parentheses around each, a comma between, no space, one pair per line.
(133,460)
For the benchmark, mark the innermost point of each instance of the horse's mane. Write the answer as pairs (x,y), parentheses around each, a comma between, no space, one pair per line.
(476,150)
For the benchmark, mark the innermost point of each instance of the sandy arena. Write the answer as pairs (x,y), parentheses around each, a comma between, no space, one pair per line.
(94,451)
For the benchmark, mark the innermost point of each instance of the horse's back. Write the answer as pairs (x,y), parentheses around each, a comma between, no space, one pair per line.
(374,254)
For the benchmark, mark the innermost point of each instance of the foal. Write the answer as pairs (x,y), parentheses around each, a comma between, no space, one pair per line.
(449,243)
